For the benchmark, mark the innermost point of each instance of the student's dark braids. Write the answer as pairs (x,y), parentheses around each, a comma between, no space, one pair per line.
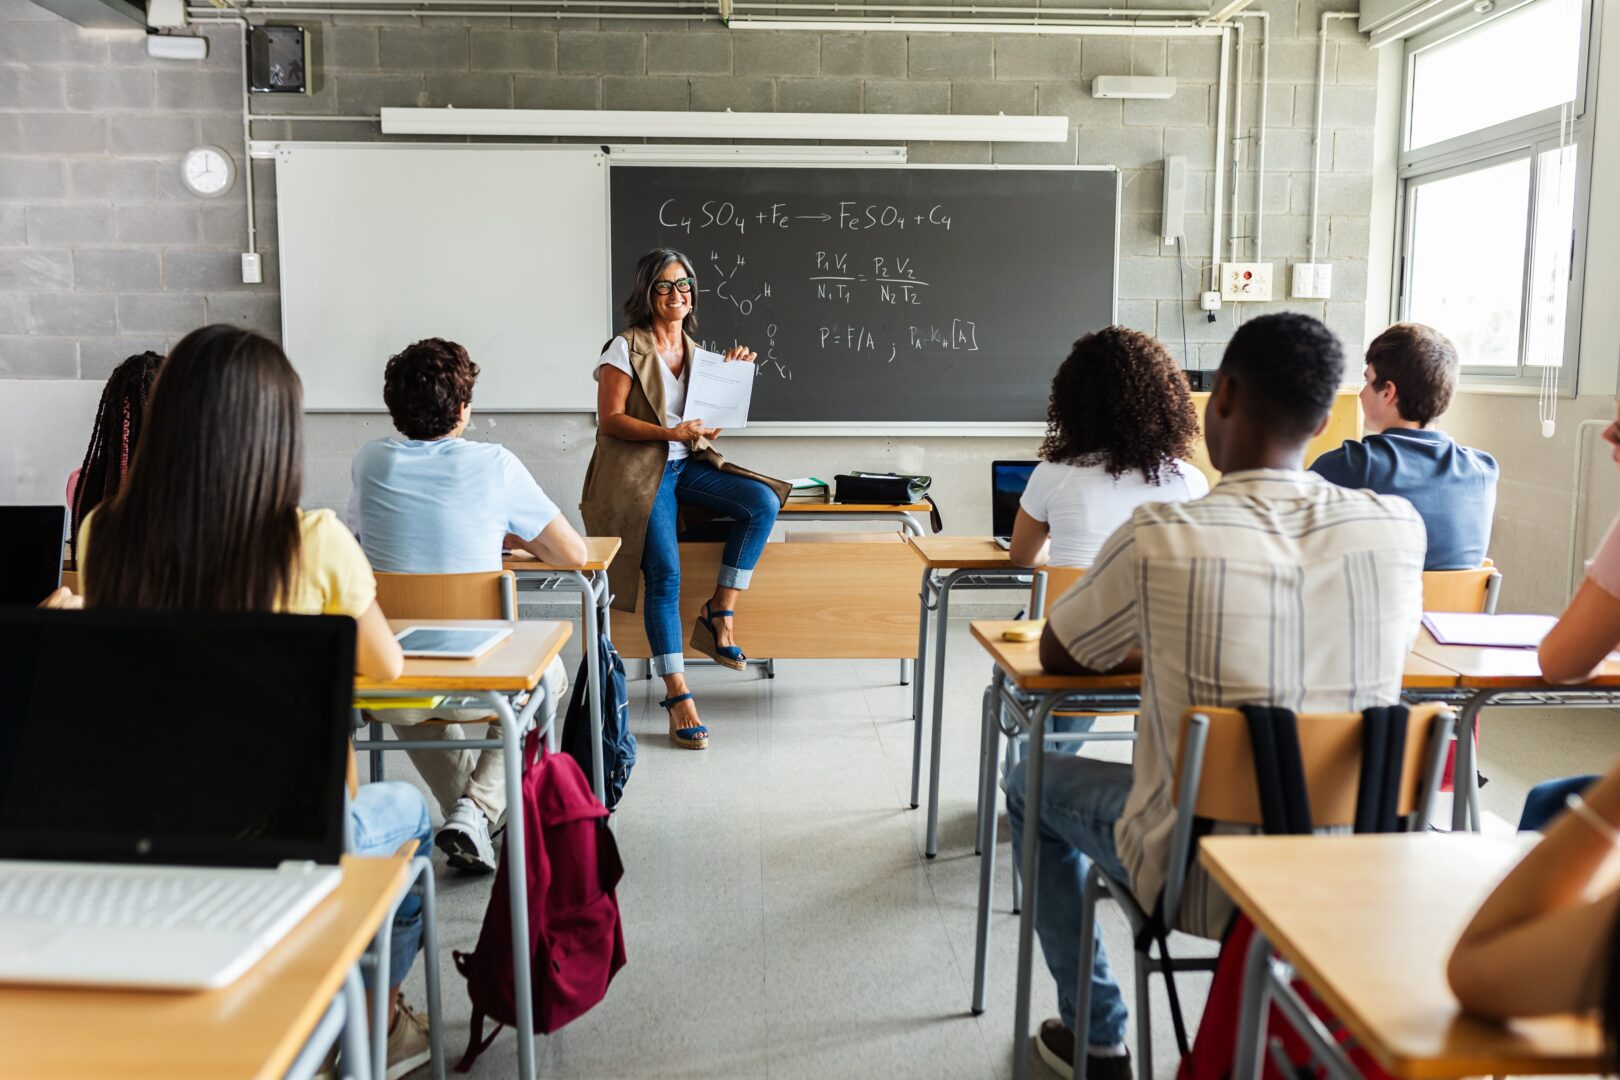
(113,439)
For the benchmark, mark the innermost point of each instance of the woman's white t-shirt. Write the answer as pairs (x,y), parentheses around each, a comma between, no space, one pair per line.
(1082,505)
(618,355)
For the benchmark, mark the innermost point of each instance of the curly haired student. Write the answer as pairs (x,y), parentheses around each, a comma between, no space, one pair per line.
(1118,431)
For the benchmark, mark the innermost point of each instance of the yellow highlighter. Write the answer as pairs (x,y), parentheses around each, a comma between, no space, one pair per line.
(1028,630)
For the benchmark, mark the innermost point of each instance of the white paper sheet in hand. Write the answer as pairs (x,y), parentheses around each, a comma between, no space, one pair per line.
(719,390)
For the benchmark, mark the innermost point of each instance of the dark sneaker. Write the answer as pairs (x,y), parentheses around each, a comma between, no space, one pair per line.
(1055,1045)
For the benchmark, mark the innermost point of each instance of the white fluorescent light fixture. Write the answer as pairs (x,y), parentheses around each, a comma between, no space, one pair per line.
(666,153)
(1157,87)
(606,124)
(1140,25)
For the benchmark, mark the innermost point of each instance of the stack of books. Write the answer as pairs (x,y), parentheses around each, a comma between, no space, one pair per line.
(810,489)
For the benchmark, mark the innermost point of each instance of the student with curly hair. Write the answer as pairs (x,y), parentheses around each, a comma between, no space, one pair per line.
(113,439)
(1118,431)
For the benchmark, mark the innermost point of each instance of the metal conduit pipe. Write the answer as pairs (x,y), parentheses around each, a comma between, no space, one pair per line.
(1215,246)
(1577,483)
(855,9)
(1260,134)
(1237,139)
(1316,134)
(280,10)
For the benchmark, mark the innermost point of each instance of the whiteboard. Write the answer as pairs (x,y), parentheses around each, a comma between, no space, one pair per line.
(501,248)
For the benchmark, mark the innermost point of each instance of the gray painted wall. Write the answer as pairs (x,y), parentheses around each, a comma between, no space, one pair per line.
(103,252)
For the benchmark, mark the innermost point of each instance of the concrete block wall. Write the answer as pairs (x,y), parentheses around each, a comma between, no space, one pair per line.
(103,252)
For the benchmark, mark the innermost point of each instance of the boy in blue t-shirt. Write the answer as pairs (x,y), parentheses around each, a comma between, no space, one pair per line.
(434,503)
(1411,375)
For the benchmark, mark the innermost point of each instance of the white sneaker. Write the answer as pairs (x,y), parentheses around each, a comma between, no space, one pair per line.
(465,838)
(408,1046)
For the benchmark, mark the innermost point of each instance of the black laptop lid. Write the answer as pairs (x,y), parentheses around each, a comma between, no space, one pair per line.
(172,737)
(31,539)
(1007,482)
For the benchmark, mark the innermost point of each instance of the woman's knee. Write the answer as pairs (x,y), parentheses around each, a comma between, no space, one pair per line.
(758,503)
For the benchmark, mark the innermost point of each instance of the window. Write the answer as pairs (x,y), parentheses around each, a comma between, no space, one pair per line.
(1497,136)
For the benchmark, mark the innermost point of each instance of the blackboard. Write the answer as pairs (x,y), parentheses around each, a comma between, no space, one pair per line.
(901,294)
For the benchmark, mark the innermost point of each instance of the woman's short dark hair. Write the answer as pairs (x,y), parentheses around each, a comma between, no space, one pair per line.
(1422,362)
(1120,401)
(425,385)
(638,306)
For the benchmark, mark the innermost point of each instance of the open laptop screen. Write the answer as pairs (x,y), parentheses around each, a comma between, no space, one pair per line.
(31,539)
(172,737)
(1007,482)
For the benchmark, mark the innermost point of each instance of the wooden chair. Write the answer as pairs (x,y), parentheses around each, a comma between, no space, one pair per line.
(1217,741)
(486,595)
(70,581)
(1462,590)
(490,595)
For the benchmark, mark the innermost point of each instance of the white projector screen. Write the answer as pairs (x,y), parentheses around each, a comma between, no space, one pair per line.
(501,248)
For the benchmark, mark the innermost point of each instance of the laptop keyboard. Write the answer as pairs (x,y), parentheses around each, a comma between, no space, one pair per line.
(179,901)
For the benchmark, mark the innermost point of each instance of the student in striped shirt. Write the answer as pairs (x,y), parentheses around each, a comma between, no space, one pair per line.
(1276,588)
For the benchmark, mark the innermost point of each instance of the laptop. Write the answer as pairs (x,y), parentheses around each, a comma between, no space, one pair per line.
(31,539)
(1007,482)
(171,790)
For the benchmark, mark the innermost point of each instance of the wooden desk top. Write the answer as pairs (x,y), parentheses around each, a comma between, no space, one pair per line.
(512,666)
(855,508)
(252,1028)
(1484,667)
(599,552)
(962,553)
(1022,661)
(1369,921)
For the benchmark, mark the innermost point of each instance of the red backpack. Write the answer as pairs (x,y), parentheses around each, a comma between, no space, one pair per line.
(576,941)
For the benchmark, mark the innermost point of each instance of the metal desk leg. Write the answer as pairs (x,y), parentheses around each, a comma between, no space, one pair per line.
(325,1036)
(1253,1009)
(593,678)
(990,719)
(941,626)
(516,881)
(923,608)
(1034,779)
(356,1059)
(420,881)
(905,671)
(1465,775)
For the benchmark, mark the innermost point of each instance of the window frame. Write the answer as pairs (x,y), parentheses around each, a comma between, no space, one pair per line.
(1524,137)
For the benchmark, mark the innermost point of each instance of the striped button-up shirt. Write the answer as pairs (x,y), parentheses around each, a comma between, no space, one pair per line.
(1277,588)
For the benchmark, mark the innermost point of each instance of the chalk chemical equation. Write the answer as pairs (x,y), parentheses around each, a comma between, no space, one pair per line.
(876,304)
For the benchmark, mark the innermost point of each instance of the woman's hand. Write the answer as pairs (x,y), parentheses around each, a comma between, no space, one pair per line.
(64,599)
(690,431)
(741,352)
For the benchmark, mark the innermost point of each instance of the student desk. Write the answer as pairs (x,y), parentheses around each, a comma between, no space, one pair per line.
(905,514)
(1026,691)
(590,578)
(1369,922)
(949,562)
(277,1020)
(1504,677)
(516,666)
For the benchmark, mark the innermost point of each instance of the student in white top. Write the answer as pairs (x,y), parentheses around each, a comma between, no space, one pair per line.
(1118,431)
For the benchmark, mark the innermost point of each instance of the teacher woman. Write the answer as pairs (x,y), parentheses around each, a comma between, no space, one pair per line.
(649,464)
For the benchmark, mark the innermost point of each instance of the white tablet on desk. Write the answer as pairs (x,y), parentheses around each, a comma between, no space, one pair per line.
(450,643)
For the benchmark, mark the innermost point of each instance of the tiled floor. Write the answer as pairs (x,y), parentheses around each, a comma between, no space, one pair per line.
(780,918)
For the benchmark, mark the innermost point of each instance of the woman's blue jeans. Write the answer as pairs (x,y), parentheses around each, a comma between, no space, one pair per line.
(752,507)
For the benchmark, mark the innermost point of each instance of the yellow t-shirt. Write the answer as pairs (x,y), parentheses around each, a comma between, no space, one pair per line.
(333,576)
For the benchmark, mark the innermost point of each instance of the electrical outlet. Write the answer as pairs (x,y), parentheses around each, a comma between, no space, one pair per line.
(1312,281)
(252,268)
(1245,281)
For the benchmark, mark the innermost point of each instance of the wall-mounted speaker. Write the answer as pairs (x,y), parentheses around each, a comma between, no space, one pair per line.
(1175,198)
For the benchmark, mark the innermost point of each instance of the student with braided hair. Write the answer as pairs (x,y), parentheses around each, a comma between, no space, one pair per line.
(113,439)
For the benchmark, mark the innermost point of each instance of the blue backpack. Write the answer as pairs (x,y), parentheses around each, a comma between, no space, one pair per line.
(618,747)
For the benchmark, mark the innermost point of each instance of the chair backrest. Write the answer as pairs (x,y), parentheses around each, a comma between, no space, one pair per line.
(1462,590)
(1330,748)
(1059,580)
(488,595)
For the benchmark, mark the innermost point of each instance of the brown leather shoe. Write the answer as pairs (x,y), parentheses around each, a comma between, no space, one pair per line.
(1055,1046)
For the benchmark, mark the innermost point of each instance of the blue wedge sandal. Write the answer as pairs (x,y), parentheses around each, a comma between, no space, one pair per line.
(687,738)
(707,641)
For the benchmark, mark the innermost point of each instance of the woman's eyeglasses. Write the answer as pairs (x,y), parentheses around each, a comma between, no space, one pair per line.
(664,288)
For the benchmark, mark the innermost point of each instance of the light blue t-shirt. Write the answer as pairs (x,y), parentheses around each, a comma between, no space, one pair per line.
(442,506)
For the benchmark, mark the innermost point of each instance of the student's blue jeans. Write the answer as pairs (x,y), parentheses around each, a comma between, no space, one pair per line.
(385,815)
(1546,801)
(750,504)
(1081,799)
